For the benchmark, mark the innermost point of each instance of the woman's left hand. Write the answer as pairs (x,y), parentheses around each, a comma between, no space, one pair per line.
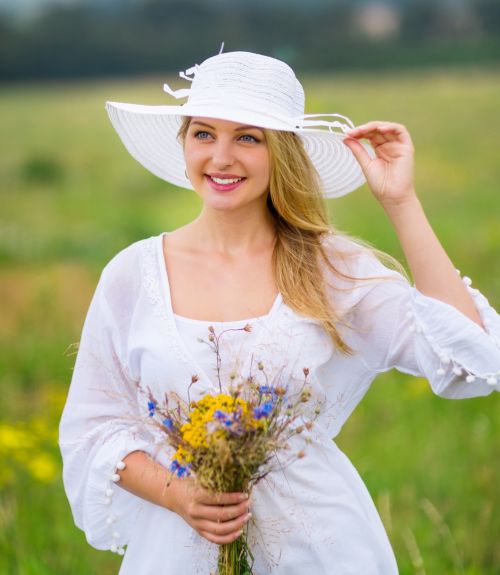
(390,173)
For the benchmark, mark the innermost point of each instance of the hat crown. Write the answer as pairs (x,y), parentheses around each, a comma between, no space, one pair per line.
(247,80)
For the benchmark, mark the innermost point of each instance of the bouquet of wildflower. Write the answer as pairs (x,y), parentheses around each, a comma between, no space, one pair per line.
(228,441)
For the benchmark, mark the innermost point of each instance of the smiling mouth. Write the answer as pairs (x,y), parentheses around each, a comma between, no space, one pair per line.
(225,181)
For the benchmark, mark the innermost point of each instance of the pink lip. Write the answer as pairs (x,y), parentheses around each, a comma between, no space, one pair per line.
(223,187)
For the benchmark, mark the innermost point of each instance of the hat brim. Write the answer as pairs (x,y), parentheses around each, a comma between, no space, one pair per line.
(150,135)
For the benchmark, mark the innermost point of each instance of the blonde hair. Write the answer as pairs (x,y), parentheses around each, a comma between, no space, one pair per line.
(296,203)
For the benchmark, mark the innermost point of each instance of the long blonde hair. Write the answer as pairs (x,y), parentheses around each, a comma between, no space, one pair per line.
(296,203)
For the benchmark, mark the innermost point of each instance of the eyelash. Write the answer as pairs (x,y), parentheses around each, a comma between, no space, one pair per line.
(198,134)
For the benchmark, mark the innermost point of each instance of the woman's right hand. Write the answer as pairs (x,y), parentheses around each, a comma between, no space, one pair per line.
(218,517)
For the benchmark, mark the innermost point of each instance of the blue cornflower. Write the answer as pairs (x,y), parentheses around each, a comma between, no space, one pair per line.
(220,415)
(263,410)
(266,389)
(178,469)
(151,407)
(168,423)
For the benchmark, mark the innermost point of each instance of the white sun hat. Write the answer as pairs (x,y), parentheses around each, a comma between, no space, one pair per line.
(249,89)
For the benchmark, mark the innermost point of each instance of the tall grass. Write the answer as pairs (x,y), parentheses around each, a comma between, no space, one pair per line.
(71,197)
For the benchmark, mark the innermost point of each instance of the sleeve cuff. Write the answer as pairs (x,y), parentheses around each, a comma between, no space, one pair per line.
(110,511)
(466,358)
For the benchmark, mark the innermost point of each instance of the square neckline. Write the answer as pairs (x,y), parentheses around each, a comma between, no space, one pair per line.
(164,276)
(166,301)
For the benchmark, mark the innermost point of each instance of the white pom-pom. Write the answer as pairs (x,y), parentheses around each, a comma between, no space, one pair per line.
(114,548)
(440,371)
(108,500)
(109,492)
(457,370)
(467,281)
(120,465)
(110,519)
(445,359)
(470,378)
(115,477)
(491,380)
(121,551)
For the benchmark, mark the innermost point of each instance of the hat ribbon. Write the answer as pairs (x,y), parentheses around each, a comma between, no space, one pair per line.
(304,122)
(182,92)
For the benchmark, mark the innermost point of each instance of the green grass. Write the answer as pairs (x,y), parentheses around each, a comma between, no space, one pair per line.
(71,197)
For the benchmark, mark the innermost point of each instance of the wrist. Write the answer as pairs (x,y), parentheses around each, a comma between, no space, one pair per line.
(396,207)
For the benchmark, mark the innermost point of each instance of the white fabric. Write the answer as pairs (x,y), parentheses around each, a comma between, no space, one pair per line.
(316,516)
(233,343)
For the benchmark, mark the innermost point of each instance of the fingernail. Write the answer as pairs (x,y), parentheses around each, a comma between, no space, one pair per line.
(247,518)
(244,496)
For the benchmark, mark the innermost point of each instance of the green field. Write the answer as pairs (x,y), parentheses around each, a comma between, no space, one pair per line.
(71,197)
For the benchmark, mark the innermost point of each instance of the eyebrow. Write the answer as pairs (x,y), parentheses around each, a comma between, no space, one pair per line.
(241,128)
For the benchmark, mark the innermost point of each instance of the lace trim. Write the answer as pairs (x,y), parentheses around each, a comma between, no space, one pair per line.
(151,283)
(446,362)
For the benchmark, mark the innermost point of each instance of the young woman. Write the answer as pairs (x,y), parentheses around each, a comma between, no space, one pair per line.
(261,252)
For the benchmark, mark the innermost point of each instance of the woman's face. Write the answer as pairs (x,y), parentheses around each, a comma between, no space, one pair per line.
(227,163)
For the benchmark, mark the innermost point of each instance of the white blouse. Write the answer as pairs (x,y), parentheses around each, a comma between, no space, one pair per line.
(315,516)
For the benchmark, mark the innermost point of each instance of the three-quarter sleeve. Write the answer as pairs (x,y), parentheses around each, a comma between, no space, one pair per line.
(100,425)
(399,327)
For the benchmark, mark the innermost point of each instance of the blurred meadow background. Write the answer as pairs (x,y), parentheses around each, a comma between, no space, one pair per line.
(71,198)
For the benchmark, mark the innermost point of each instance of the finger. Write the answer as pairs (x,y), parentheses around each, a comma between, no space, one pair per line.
(225,528)
(225,512)
(359,152)
(380,132)
(378,125)
(221,539)
(208,498)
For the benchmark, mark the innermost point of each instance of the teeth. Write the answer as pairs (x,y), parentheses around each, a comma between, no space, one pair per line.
(225,181)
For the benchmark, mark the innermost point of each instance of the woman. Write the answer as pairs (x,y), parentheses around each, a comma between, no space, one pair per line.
(260,252)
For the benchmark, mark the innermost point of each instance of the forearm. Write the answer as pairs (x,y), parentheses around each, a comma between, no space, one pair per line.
(146,478)
(433,272)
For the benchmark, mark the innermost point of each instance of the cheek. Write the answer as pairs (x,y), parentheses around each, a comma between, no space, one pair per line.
(260,164)
(192,155)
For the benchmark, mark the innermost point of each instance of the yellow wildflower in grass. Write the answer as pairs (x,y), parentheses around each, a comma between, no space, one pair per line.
(43,467)
(30,446)
(13,438)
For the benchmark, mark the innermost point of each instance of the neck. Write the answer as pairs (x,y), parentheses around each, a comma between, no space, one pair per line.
(234,233)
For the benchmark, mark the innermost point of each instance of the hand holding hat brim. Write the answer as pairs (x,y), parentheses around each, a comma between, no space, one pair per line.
(389,172)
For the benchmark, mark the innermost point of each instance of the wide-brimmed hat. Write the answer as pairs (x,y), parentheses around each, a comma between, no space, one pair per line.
(246,88)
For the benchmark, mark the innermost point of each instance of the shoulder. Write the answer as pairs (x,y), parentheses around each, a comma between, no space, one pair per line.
(354,269)
(126,260)
(123,274)
(353,259)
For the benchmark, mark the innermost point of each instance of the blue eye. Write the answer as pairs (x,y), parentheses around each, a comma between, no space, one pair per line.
(248,138)
(201,135)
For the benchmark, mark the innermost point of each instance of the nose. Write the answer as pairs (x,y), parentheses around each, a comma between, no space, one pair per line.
(223,153)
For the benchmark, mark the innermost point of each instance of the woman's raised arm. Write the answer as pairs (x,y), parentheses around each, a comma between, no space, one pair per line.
(390,177)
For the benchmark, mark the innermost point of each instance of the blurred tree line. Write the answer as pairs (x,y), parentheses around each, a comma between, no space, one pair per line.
(157,36)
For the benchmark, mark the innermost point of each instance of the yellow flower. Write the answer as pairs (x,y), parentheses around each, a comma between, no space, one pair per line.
(42,467)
